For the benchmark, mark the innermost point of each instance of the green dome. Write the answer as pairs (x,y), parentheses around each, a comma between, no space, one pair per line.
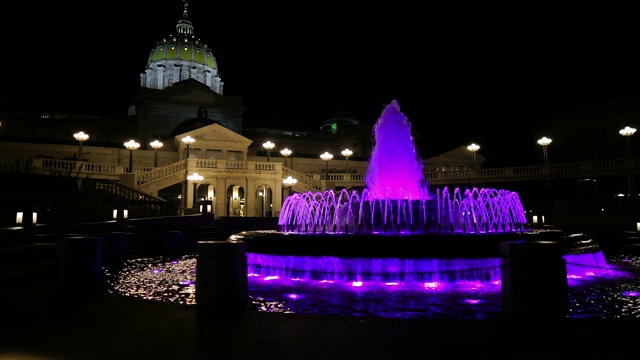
(183,47)
(180,57)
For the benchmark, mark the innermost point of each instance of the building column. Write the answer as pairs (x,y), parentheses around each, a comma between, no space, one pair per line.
(276,198)
(220,198)
(160,84)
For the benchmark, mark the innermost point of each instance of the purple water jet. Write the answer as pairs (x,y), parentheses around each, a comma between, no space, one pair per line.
(395,170)
(396,198)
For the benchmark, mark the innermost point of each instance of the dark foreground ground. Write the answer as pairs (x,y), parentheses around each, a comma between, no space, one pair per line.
(44,321)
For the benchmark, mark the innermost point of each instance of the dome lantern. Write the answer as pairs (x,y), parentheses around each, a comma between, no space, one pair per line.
(184,25)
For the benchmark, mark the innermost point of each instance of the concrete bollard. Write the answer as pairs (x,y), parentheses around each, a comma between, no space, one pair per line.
(81,262)
(221,277)
(115,247)
(534,280)
(173,243)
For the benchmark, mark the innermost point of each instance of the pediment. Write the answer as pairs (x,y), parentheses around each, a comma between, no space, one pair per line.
(216,136)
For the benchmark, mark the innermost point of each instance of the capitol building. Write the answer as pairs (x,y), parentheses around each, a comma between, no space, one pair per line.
(183,142)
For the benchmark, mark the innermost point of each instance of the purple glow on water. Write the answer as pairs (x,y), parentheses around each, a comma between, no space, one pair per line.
(372,273)
(472,301)
(613,294)
(586,266)
(393,274)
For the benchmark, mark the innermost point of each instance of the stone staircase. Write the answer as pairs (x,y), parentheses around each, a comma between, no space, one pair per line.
(305,182)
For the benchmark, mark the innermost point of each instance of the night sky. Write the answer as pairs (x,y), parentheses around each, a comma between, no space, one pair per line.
(458,72)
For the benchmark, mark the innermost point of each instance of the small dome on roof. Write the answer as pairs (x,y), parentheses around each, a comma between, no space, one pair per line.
(338,123)
(193,124)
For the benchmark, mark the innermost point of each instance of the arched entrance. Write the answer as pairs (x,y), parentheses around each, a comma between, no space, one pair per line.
(236,201)
(205,191)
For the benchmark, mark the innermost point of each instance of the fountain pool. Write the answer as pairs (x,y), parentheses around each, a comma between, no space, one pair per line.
(605,289)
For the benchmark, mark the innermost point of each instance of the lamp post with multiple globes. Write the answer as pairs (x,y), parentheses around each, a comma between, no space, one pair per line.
(627,132)
(289,182)
(346,153)
(473,148)
(285,152)
(131,145)
(631,187)
(326,157)
(268,146)
(195,179)
(188,140)
(156,145)
(81,137)
(544,142)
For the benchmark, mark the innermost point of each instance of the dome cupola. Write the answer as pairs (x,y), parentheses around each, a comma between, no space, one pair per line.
(180,57)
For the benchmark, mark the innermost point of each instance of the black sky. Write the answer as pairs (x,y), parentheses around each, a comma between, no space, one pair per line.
(459,72)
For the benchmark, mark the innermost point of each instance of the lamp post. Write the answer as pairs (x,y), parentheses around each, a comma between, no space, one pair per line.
(81,137)
(627,132)
(346,153)
(131,145)
(326,157)
(289,182)
(544,142)
(188,140)
(195,179)
(473,148)
(155,144)
(268,146)
(285,152)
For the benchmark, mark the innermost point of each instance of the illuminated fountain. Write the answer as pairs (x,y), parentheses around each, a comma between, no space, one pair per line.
(397,199)
(396,235)
(394,250)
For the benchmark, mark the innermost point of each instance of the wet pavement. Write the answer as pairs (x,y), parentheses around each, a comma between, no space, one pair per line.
(45,321)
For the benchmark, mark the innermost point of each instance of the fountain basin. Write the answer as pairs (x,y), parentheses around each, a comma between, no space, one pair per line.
(427,245)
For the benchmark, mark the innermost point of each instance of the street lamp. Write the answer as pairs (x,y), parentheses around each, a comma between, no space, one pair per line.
(269,146)
(289,182)
(326,157)
(627,132)
(195,178)
(155,144)
(81,137)
(544,142)
(188,140)
(346,153)
(473,148)
(131,145)
(285,152)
